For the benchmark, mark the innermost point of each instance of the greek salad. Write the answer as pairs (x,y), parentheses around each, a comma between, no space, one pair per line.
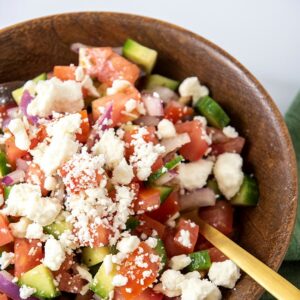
(101,164)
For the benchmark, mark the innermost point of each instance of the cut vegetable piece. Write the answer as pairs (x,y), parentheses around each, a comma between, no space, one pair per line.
(159,80)
(4,169)
(200,261)
(132,223)
(93,256)
(213,112)
(164,191)
(6,236)
(248,194)
(41,279)
(102,282)
(6,190)
(161,251)
(148,199)
(149,226)
(57,228)
(139,54)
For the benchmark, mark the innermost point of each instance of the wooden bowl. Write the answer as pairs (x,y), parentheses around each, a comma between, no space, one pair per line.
(30,48)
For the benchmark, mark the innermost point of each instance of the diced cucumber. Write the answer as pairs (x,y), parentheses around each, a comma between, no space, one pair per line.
(248,194)
(213,112)
(132,223)
(200,261)
(102,282)
(41,279)
(57,228)
(161,251)
(164,191)
(139,54)
(159,80)
(7,190)
(18,93)
(4,168)
(167,167)
(93,256)
(213,185)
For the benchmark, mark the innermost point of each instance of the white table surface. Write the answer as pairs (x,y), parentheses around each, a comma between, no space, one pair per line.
(264,35)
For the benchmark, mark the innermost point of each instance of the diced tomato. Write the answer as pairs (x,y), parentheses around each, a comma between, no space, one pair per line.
(84,126)
(6,236)
(166,210)
(71,283)
(35,175)
(28,254)
(148,199)
(216,255)
(13,152)
(39,137)
(64,72)
(217,135)
(159,163)
(235,145)
(220,216)
(66,265)
(195,149)
(107,65)
(175,111)
(186,236)
(101,236)
(137,281)
(3,297)
(147,294)
(169,242)
(147,225)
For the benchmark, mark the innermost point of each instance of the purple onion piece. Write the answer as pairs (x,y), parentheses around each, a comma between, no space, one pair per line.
(153,105)
(25,101)
(165,94)
(174,143)
(76,46)
(147,121)
(14,177)
(22,164)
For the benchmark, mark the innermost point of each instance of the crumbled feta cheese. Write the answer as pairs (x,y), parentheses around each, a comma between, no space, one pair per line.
(50,183)
(202,120)
(6,259)
(88,84)
(171,281)
(119,280)
(30,86)
(179,262)
(194,274)
(128,244)
(54,254)
(34,231)
(26,200)
(122,173)
(79,73)
(130,105)
(151,242)
(108,264)
(225,273)
(230,132)
(192,87)
(166,129)
(194,175)
(17,128)
(19,228)
(56,95)
(26,291)
(229,174)
(118,86)
(184,238)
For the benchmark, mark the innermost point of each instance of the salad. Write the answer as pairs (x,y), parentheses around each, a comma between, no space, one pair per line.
(101,165)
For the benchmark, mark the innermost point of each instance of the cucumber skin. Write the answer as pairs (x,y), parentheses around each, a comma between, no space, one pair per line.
(156,80)
(161,251)
(200,261)
(132,223)
(4,169)
(93,256)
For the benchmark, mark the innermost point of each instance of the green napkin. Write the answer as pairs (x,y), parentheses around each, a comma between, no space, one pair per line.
(290,268)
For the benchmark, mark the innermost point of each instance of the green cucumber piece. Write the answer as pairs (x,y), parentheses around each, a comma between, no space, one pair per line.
(57,228)
(93,256)
(161,251)
(139,54)
(213,112)
(4,168)
(167,167)
(7,189)
(159,80)
(200,261)
(132,223)
(41,279)
(248,194)
(102,282)
(164,191)
(213,185)
(18,93)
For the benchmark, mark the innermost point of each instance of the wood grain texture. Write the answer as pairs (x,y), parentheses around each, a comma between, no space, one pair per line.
(30,48)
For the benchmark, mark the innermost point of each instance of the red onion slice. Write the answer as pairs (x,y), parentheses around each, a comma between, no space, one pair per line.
(164,93)
(12,112)
(153,105)
(175,143)
(22,164)
(25,101)
(197,198)
(147,121)
(14,177)
(76,46)
(167,177)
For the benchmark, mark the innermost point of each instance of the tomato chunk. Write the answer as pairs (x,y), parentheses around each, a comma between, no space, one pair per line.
(216,255)
(147,225)
(195,149)
(235,145)
(6,236)
(39,137)
(13,152)
(148,199)
(134,268)
(175,111)
(35,175)
(64,72)
(3,297)
(85,127)
(28,254)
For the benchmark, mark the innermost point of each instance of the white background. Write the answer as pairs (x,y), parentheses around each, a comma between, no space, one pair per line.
(264,35)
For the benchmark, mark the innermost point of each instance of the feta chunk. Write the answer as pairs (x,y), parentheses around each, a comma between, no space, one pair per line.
(179,262)
(6,259)
(230,132)
(34,231)
(171,281)
(166,129)
(118,86)
(122,173)
(88,84)
(225,273)
(229,174)
(17,128)
(119,280)
(194,175)
(19,228)
(130,105)
(191,87)
(26,291)
(128,244)
(54,95)
(54,255)
(151,242)
(50,183)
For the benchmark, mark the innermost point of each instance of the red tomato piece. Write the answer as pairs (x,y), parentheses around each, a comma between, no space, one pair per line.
(39,137)
(71,283)
(216,255)
(6,236)
(28,254)
(235,145)
(166,210)
(195,149)
(3,297)
(186,236)
(175,111)
(35,175)
(148,199)
(220,216)
(13,152)
(159,163)
(147,225)
(134,268)
(85,128)
(64,72)
(101,236)
(147,294)
(171,248)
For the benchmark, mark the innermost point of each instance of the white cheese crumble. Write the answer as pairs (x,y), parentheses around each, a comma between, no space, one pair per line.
(19,228)
(191,87)
(128,244)
(54,254)
(122,173)
(26,291)
(79,73)
(194,175)
(119,280)
(88,84)
(229,174)
(17,128)
(6,259)
(151,242)
(34,231)
(130,105)
(56,95)
(166,129)
(179,262)
(230,132)
(184,238)
(118,86)
(50,183)
(225,273)
(108,264)
(171,281)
